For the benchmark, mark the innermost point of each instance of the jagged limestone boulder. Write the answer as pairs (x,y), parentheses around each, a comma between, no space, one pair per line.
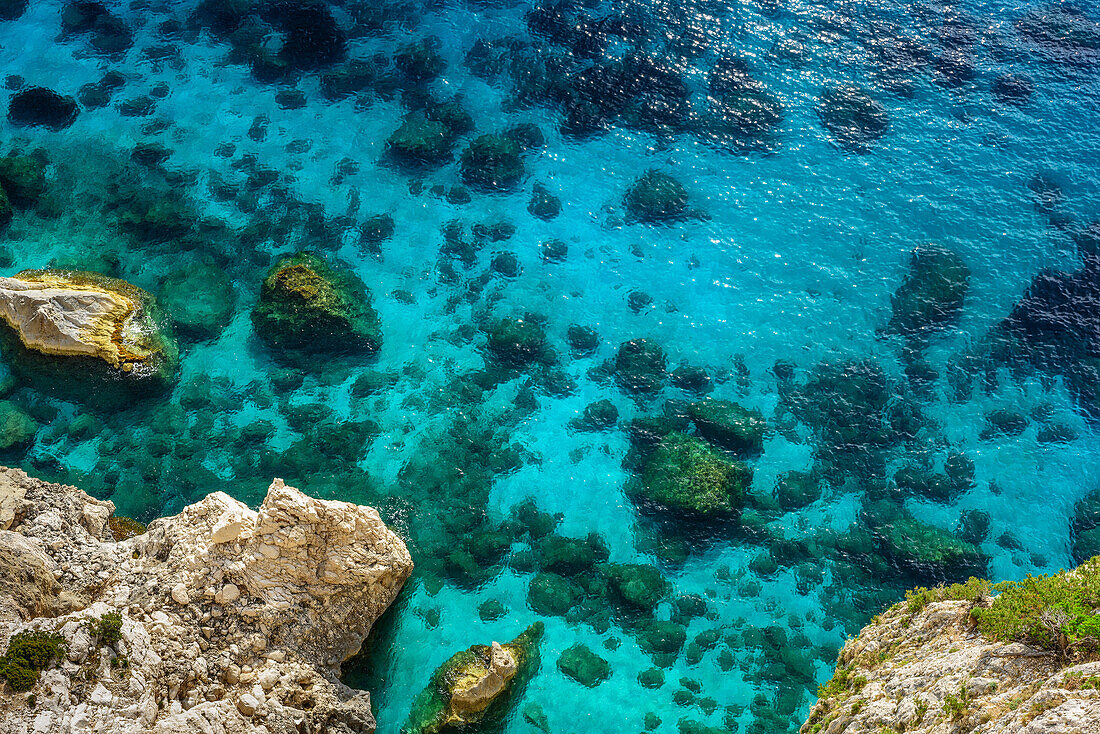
(73,328)
(477,686)
(255,609)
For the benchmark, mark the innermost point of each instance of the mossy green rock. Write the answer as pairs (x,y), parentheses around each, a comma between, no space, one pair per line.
(420,141)
(687,475)
(472,689)
(584,666)
(306,304)
(23,179)
(656,197)
(636,584)
(729,425)
(932,294)
(552,595)
(928,553)
(640,366)
(492,162)
(17,429)
(515,342)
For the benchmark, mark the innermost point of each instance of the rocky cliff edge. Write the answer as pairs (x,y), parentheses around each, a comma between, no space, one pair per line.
(221,619)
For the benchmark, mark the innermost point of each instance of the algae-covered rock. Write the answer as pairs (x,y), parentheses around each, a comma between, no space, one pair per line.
(637,584)
(640,366)
(928,553)
(552,595)
(656,197)
(420,141)
(17,429)
(729,425)
(584,666)
(515,342)
(72,329)
(688,476)
(477,686)
(932,294)
(200,299)
(23,178)
(307,304)
(492,162)
(852,117)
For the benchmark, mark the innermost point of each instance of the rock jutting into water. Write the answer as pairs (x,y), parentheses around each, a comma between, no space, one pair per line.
(220,618)
(307,304)
(477,686)
(99,326)
(959,658)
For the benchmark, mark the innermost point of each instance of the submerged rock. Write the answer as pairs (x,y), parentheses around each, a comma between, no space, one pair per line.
(729,425)
(584,666)
(42,107)
(89,324)
(852,117)
(932,294)
(476,687)
(420,141)
(640,366)
(1085,527)
(200,299)
(268,602)
(656,197)
(927,553)
(306,304)
(516,342)
(492,162)
(687,476)
(23,178)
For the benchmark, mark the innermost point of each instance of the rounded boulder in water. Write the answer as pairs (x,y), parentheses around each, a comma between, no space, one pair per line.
(852,117)
(42,107)
(307,304)
(656,197)
(199,298)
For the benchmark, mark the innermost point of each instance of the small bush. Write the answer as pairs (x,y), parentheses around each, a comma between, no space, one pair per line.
(973,590)
(28,653)
(1060,613)
(956,706)
(108,628)
(843,683)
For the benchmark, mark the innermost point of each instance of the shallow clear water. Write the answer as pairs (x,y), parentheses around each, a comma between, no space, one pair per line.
(797,257)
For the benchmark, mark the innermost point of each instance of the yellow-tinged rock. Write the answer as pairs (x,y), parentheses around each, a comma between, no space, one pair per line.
(71,314)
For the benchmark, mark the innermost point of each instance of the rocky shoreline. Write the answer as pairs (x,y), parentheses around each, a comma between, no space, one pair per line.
(931,670)
(219,619)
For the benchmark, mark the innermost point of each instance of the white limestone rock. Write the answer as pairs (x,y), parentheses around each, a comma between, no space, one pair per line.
(936,656)
(259,652)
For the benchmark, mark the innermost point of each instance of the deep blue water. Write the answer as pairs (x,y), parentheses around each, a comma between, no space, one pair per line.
(802,244)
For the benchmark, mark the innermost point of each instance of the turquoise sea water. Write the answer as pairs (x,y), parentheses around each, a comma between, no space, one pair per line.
(799,248)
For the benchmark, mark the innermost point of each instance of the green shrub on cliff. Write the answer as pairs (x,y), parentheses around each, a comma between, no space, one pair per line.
(28,653)
(1057,613)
